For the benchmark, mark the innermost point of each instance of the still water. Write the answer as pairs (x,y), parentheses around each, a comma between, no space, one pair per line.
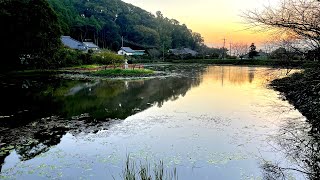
(208,122)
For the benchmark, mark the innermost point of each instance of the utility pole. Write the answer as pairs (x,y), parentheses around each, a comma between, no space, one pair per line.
(224,45)
(122,41)
(163,51)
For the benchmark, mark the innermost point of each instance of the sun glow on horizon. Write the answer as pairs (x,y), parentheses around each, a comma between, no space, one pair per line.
(213,19)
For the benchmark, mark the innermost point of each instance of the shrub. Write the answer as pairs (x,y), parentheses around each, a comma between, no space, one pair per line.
(67,57)
(107,57)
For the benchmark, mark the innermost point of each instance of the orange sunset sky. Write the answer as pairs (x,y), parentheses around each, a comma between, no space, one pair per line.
(213,19)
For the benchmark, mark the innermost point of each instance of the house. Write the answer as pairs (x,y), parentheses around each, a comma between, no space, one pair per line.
(91,45)
(130,52)
(260,56)
(72,43)
(183,51)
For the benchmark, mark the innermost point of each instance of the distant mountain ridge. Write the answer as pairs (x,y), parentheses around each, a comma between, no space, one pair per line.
(106,21)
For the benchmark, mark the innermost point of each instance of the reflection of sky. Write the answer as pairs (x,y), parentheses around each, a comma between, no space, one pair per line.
(218,130)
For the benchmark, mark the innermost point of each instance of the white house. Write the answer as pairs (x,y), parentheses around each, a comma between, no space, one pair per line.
(130,52)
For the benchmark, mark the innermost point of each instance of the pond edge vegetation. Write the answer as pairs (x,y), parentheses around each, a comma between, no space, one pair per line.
(303,91)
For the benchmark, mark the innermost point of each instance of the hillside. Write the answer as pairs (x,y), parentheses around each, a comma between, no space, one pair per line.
(106,21)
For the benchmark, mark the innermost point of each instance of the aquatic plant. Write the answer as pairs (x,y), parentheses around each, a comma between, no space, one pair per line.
(143,171)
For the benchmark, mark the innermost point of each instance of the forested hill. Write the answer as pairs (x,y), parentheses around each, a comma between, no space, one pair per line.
(106,21)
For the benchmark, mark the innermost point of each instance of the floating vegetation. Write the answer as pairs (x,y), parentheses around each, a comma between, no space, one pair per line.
(6,150)
(224,158)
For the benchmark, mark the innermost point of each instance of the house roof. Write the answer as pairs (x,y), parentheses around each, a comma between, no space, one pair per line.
(190,51)
(127,49)
(90,45)
(71,43)
(183,51)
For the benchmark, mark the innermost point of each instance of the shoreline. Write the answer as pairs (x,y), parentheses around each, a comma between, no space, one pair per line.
(302,90)
(86,76)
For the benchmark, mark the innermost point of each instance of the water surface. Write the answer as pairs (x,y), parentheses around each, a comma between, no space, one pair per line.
(216,122)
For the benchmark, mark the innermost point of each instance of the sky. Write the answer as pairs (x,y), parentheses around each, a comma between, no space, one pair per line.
(215,20)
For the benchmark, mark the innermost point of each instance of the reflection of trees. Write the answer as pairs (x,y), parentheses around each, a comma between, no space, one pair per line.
(301,146)
(80,106)
(251,74)
(110,99)
(235,75)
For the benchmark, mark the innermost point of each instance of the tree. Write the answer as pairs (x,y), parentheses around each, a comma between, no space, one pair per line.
(253,52)
(297,17)
(30,29)
(145,35)
(240,49)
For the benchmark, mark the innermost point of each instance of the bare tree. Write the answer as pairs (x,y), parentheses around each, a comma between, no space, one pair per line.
(240,49)
(289,49)
(299,18)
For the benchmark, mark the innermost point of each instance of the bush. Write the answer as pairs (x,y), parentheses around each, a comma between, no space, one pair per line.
(107,57)
(67,57)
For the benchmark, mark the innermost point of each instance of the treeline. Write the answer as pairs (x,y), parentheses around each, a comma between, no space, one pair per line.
(106,21)
(31,31)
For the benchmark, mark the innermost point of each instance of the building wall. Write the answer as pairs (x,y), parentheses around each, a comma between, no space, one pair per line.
(122,52)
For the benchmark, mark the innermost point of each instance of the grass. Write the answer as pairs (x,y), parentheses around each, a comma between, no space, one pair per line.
(86,66)
(144,172)
(124,72)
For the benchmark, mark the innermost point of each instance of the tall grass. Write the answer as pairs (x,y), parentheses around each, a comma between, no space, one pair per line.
(144,172)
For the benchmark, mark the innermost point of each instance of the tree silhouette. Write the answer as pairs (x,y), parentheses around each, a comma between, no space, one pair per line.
(252,52)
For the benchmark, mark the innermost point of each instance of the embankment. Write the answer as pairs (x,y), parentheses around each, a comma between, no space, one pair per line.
(303,91)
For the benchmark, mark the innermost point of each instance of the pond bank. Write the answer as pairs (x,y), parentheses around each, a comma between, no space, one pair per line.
(76,75)
(95,73)
(244,62)
(303,91)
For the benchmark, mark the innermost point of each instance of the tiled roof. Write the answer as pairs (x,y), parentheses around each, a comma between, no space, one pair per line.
(90,45)
(127,49)
(71,43)
(183,51)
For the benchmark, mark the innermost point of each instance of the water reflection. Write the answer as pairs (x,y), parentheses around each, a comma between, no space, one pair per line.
(210,121)
(299,143)
(45,110)
(230,74)
(120,99)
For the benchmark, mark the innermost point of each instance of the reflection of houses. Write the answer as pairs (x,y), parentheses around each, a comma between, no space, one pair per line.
(130,52)
(74,44)
(183,51)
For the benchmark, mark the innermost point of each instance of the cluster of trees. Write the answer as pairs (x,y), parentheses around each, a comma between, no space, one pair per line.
(106,21)
(32,30)
(65,57)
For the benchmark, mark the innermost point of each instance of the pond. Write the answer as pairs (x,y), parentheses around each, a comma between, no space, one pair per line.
(207,122)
